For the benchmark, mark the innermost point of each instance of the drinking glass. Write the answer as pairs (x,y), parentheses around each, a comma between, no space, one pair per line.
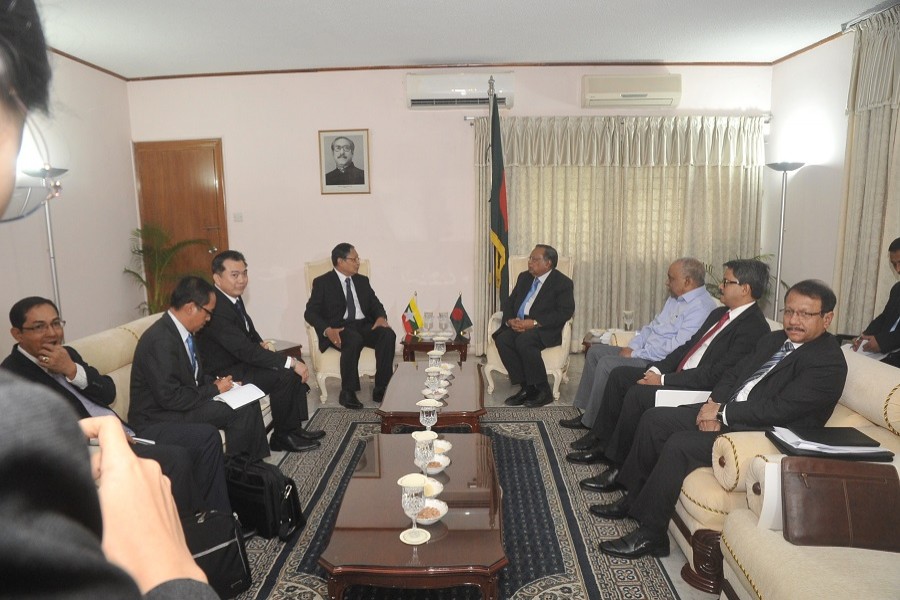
(424,454)
(412,500)
(434,362)
(444,323)
(428,416)
(432,378)
(427,324)
(440,344)
(628,319)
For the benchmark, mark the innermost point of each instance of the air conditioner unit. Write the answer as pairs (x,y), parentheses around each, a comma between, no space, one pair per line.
(603,91)
(457,90)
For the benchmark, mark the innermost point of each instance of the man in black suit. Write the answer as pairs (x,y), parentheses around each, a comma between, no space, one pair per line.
(345,172)
(347,315)
(230,345)
(533,319)
(729,334)
(190,454)
(882,336)
(794,378)
(168,383)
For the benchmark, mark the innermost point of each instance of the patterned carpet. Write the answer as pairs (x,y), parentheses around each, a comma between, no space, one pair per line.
(552,551)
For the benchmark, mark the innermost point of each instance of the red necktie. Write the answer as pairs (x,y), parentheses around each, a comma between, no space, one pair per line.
(708,335)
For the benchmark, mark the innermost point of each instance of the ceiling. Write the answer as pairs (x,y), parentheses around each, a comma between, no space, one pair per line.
(158,38)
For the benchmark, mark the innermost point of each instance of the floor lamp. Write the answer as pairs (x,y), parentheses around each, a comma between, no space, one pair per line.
(784,168)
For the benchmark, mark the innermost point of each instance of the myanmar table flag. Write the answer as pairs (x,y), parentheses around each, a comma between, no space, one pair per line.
(459,317)
(412,318)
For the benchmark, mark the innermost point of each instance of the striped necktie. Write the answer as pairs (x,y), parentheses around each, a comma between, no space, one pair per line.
(761,372)
(190,343)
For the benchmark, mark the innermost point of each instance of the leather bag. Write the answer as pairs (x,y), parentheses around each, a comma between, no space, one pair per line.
(828,502)
(264,498)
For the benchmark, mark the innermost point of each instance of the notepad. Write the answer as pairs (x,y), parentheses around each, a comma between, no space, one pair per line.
(240,395)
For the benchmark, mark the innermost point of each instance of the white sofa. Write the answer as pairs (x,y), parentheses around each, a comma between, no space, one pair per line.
(112,351)
(759,563)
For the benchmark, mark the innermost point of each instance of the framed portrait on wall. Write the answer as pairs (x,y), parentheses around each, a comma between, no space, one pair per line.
(344,161)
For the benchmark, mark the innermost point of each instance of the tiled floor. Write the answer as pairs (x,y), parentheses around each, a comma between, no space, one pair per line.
(672,563)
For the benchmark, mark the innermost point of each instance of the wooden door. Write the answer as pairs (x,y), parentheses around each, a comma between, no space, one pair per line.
(181,187)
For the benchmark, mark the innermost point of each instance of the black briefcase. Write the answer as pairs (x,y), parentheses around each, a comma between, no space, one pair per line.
(214,539)
(264,498)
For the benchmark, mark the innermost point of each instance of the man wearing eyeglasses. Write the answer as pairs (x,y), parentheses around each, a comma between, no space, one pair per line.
(881,339)
(348,316)
(169,384)
(345,172)
(794,378)
(729,334)
(189,454)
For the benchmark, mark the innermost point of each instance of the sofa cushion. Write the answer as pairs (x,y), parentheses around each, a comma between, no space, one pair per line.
(704,501)
(775,568)
(872,390)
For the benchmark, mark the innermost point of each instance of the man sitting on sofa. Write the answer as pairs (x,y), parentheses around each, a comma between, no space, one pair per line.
(230,345)
(168,383)
(682,315)
(190,454)
(728,335)
(882,337)
(794,378)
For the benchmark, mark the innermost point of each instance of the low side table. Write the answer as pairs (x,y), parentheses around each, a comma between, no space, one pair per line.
(413,343)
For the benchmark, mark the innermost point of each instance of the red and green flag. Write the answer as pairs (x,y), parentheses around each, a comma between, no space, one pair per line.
(459,317)
(499,214)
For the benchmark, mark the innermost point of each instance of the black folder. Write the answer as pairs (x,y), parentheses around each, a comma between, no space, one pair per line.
(833,436)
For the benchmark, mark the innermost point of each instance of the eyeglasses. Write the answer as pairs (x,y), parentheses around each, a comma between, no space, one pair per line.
(534,259)
(345,148)
(43,327)
(727,282)
(349,259)
(802,315)
(206,310)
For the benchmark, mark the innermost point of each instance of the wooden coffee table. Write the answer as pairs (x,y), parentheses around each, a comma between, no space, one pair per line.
(465,398)
(466,546)
(412,344)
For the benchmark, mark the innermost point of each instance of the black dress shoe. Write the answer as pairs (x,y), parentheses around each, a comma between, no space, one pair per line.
(573,423)
(586,442)
(292,443)
(348,399)
(540,398)
(593,456)
(613,510)
(310,434)
(517,399)
(604,482)
(378,394)
(639,542)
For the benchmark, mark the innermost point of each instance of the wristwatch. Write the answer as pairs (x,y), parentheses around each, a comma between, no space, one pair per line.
(536,324)
(720,416)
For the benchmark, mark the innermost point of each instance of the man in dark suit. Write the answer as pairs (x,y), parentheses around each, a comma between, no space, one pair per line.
(168,383)
(230,345)
(882,336)
(794,378)
(347,315)
(729,334)
(189,454)
(345,173)
(533,319)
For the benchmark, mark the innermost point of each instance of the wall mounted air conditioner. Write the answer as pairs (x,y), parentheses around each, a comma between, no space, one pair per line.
(605,91)
(457,90)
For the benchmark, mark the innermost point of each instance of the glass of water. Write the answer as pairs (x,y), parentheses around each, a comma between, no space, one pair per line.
(412,500)
(628,319)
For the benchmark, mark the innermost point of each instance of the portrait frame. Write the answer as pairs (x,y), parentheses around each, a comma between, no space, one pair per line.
(335,180)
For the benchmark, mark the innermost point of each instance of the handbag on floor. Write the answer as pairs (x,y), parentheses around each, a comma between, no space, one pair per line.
(215,541)
(264,498)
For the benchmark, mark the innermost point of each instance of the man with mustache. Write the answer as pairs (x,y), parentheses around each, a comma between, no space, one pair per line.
(345,173)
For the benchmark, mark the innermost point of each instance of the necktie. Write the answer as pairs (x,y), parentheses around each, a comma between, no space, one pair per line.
(239,305)
(190,343)
(708,335)
(531,293)
(767,366)
(351,305)
(93,409)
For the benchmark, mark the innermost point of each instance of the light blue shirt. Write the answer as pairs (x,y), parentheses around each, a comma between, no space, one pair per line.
(679,319)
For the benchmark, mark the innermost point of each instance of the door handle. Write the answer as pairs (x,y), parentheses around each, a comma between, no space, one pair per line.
(212,250)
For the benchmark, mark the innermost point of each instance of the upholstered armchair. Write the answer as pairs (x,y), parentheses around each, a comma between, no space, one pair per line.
(328,364)
(556,359)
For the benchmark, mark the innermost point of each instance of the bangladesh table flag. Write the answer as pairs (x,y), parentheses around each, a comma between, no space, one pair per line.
(412,318)
(459,317)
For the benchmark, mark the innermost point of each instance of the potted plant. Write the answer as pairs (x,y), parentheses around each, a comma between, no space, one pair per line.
(152,253)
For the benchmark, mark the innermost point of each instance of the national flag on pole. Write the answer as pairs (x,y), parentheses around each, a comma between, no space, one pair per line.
(499,214)
(412,318)
(459,317)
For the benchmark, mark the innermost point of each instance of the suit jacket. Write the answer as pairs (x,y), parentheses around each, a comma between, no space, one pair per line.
(888,341)
(328,302)
(225,343)
(731,344)
(352,175)
(162,380)
(100,388)
(554,305)
(800,391)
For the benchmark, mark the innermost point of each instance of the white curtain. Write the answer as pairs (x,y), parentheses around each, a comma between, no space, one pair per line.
(624,196)
(871,208)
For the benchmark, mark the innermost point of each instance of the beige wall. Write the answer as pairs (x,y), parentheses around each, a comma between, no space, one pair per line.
(417,225)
